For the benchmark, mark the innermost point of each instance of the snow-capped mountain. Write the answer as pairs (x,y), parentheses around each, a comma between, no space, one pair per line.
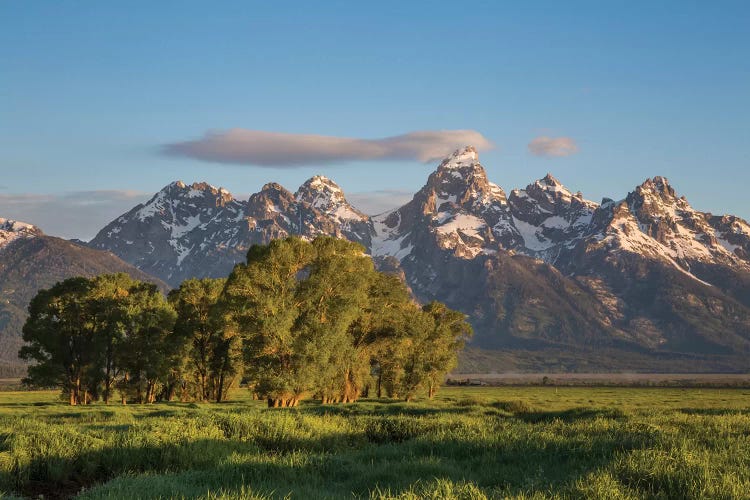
(549,217)
(542,266)
(11,230)
(199,230)
(458,210)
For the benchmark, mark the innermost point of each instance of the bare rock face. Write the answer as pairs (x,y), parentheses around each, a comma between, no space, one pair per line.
(543,267)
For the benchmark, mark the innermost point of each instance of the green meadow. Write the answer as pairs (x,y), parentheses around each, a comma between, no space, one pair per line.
(473,443)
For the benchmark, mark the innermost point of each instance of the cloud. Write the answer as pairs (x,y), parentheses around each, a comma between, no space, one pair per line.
(280,150)
(377,202)
(553,147)
(79,214)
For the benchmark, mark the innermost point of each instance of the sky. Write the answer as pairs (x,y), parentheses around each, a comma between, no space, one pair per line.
(104,103)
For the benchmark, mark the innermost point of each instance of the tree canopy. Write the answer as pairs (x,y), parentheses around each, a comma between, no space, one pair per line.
(297,320)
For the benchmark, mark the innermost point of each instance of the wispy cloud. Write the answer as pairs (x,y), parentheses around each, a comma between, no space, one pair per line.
(79,214)
(553,147)
(280,150)
(377,202)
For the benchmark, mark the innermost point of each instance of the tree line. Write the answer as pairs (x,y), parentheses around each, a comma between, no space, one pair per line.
(298,320)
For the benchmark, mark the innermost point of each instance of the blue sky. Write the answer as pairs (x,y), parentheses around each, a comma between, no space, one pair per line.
(91,92)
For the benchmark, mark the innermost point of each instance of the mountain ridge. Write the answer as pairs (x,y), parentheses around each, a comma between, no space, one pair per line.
(539,265)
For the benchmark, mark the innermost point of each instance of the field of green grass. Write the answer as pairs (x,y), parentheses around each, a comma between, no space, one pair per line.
(517,442)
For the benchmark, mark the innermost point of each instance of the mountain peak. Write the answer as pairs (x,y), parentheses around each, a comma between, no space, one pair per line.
(657,185)
(325,195)
(16,226)
(549,187)
(12,229)
(196,186)
(320,183)
(460,158)
(550,180)
(273,187)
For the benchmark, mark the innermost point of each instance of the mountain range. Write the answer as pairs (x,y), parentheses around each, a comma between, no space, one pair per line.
(645,282)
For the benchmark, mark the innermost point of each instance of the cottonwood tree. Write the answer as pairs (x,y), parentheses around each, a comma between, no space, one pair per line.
(211,358)
(60,340)
(448,336)
(332,298)
(260,303)
(106,299)
(381,327)
(150,346)
(430,348)
(317,319)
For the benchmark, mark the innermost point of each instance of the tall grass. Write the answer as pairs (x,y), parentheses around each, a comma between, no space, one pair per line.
(469,443)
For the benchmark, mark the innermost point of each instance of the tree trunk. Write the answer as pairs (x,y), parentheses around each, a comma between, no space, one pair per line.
(78,390)
(220,387)
(122,394)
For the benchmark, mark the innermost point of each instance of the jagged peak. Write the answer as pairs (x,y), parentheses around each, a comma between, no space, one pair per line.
(459,170)
(461,157)
(319,183)
(203,186)
(550,180)
(324,194)
(180,186)
(549,185)
(274,187)
(320,191)
(659,185)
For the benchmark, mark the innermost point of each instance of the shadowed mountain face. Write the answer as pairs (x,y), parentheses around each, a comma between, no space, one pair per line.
(31,261)
(539,268)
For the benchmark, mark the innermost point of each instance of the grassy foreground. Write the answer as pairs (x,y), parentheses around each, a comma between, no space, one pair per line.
(518,442)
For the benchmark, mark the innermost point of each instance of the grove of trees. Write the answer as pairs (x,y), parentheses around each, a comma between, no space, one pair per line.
(298,320)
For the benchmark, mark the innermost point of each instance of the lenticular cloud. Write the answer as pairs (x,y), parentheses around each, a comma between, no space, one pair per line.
(280,150)
(553,146)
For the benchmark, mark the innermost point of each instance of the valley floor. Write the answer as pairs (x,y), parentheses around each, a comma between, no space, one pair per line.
(470,442)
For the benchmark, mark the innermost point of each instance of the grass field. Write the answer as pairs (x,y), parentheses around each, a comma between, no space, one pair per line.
(518,442)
